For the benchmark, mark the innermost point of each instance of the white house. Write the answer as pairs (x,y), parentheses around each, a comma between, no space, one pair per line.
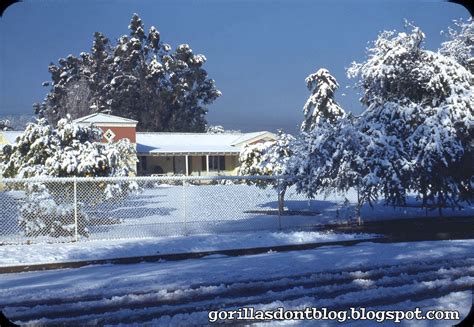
(196,154)
(193,153)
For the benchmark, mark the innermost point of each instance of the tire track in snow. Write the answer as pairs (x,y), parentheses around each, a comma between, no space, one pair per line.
(329,276)
(344,285)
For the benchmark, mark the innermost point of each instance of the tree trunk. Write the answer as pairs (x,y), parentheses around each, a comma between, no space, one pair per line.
(358,207)
(281,200)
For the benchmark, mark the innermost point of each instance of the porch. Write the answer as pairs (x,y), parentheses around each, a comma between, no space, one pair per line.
(188,164)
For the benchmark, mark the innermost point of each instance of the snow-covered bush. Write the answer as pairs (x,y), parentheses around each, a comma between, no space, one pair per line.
(70,150)
(41,214)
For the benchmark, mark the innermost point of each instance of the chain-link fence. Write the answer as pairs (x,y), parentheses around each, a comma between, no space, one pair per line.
(65,209)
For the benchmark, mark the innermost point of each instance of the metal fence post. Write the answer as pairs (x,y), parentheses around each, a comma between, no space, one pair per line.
(184,208)
(76,237)
(278,197)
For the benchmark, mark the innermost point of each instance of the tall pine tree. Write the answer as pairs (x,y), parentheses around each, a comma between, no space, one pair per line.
(139,77)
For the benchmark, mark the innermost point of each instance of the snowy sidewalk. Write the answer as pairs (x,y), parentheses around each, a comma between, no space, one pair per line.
(166,248)
(17,258)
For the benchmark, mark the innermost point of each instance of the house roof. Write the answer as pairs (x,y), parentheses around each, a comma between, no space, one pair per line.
(195,143)
(253,137)
(181,143)
(98,118)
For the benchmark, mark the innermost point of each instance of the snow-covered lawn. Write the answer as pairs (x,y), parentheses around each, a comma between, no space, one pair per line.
(165,210)
(51,253)
(397,276)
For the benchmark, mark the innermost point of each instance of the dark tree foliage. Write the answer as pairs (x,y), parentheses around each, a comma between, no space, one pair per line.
(138,77)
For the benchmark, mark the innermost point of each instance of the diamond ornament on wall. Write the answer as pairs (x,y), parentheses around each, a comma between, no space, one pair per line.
(109,135)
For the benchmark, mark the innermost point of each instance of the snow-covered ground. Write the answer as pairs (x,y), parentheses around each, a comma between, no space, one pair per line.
(51,253)
(398,276)
(427,274)
(166,210)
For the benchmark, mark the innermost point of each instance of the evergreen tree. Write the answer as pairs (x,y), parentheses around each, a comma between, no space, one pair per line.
(139,77)
(313,166)
(321,104)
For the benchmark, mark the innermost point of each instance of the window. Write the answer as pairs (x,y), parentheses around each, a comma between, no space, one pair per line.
(216,163)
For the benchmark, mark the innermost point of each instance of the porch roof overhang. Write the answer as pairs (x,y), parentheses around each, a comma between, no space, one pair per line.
(183,149)
(190,153)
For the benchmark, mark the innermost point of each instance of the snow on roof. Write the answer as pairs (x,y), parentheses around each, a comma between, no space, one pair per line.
(104,118)
(252,137)
(167,143)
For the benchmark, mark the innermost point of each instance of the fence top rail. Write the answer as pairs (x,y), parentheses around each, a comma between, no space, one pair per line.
(137,178)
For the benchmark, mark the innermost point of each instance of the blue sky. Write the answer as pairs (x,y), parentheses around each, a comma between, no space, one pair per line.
(259,52)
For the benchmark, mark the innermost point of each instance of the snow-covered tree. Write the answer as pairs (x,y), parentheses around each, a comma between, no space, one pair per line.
(70,150)
(271,158)
(460,43)
(419,120)
(217,129)
(312,164)
(15,122)
(321,103)
(139,77)
(5,125)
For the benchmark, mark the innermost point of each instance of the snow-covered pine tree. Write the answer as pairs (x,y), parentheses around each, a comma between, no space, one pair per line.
(68,151)
(271,158)
(139,77)
(418,121)
(313,165)
(321,104)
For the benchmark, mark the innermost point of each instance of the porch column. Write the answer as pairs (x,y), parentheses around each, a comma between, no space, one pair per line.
(207,164)
(187,165)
